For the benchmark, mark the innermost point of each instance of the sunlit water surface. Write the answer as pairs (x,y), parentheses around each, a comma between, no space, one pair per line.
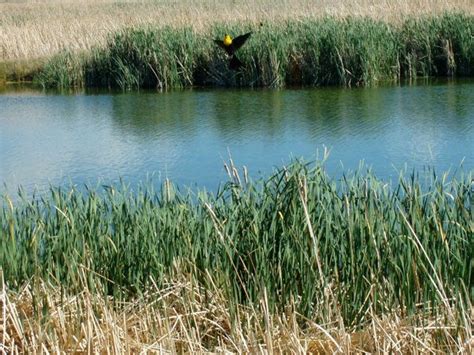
(51,138)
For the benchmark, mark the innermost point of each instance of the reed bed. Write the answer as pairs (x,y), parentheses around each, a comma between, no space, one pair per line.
(184,318)
(326,51)
(290,262)
(40,29)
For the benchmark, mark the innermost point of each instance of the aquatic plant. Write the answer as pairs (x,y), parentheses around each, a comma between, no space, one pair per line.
(181,317)
(354,255)
(325,51)
(438,46)
(33,29)
(301,236)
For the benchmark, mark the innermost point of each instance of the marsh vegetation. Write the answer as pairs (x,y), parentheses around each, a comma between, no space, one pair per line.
(343,254)
(295,262)
(39,29)
(163,44)
(326,51)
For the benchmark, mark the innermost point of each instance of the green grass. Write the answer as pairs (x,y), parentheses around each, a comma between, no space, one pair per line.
(327,51)
(325,246)
(22,70)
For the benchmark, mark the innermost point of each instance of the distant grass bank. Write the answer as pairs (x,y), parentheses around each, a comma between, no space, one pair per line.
(31,29)
(299,245)
(325,51)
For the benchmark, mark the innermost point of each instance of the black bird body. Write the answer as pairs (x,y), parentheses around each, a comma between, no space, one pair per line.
(235,43)
(231,45)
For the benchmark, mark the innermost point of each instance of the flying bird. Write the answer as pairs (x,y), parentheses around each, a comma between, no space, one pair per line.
(231,45)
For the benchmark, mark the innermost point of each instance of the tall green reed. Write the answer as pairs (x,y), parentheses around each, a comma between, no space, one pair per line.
(326,51)
(438,46)
(325,246)
(65,70)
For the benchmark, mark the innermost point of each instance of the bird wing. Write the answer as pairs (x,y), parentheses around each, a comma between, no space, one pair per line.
(238,42)
(220,43)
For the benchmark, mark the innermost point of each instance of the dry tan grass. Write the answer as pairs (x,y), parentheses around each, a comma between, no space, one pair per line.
(38,29)
(181,318)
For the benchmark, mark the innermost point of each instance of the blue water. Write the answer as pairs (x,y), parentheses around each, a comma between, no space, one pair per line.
(52,138)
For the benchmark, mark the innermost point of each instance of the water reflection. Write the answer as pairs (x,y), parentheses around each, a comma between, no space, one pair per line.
(186,135)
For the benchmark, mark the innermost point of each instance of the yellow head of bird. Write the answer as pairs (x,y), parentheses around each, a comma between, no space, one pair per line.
(227,40)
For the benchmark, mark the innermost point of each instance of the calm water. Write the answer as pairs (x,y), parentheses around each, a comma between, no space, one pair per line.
(186,135)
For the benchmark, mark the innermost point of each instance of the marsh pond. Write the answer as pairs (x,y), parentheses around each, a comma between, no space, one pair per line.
(92,137)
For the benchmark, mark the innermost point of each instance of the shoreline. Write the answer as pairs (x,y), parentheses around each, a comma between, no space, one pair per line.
(350,51)
(37,29)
